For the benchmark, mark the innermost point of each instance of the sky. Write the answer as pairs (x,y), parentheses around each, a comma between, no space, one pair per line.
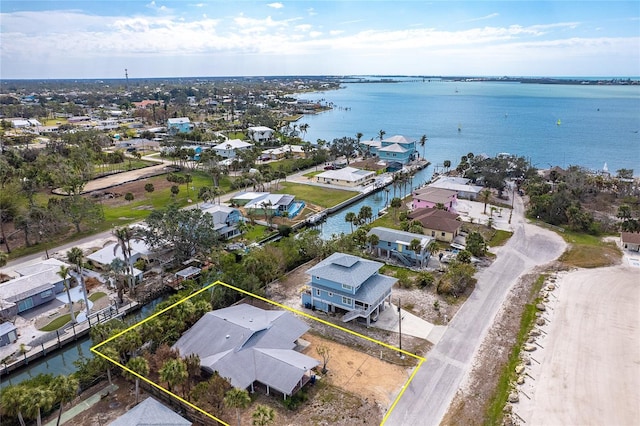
(154,38)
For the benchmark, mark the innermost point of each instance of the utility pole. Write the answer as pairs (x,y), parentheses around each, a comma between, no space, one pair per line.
(400,326)
(126,77)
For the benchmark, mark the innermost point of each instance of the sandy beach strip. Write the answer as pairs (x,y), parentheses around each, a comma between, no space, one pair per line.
(586,369)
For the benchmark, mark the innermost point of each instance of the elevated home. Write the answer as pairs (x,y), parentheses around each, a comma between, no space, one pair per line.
(439,224)
(348,176)
(225,219)
(348,284)
(247,344)
(35,285)
(179,125)
(150,413)
(397,244)
(630,240)
(462,186)
(260,134)
(430,197)
(139,250)
(397,149)
(229,148)
(370,147)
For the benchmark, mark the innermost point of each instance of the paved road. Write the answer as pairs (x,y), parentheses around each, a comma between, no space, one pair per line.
(429,395)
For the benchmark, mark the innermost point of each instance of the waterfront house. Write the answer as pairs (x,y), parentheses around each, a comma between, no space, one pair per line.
(8,334)
(35,285)
(439,224)
(179,125)
(397,149)
(370,148)
(284,151)
(343,283)
(225,219)
(274,205)
(462,186)
(430,197)
(249,345)
(150,413)
(347,176)
(630,240)
(260,134)
(229,148)
(396,244)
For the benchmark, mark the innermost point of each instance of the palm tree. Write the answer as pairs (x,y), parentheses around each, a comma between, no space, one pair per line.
(65,388)
(485,196)
(365,214)
(381,134)
(13,400)
(138,365)
(174,372)
(303,128)
(63,272)
(415,246)
(39,399)
(373,241)
(263,416)
(124,236)
(423,140)
(76,256)
(447,164)
(237,398)
(351,218)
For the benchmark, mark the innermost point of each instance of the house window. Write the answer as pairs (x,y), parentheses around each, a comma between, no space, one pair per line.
(389,244)
(346,301)
(347,287)
(317,292)
(45,294)
(443,234)
(433,233)
(330,294)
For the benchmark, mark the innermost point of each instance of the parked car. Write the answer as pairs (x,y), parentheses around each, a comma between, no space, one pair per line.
(330,167)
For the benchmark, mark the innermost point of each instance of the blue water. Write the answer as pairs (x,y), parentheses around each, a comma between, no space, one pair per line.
(598,123)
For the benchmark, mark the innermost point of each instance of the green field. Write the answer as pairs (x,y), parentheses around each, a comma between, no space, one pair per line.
(323,197)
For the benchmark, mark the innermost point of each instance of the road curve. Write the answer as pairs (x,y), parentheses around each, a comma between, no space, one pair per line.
(427,398)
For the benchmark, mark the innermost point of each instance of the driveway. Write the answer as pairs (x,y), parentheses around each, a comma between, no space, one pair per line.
(429,395)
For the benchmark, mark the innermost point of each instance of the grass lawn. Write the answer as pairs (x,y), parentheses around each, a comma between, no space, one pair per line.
(312,174)
(387,221)
(255,233)
(58,322)
(499,238)
(323,197)
(95,296)
(589,251)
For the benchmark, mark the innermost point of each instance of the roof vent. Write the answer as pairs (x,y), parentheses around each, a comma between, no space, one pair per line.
(228,335)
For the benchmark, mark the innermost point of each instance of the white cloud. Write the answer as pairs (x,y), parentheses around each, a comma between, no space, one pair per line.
(311,11)
(482,18)
(276,5)
(315,34)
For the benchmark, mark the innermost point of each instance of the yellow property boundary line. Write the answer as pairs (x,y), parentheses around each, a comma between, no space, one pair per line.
(95,348)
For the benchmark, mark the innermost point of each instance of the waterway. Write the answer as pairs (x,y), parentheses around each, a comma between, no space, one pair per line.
(61,361)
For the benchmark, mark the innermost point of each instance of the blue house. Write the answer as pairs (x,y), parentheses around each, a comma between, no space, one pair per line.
(397,149)
(179,125)
(348,284)
(225,219)
(395,243)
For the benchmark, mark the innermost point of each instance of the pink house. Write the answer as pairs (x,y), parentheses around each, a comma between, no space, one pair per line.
(430,197)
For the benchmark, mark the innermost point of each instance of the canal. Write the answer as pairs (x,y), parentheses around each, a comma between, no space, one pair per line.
(335,224)
(61,361)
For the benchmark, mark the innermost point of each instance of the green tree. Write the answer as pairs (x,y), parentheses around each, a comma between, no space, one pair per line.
(63,272)
(138,365)
(464,256)
(263,416)
(365,214)
(209,395)
(475,244)
(76,257)
(238,399)
(373,241)
(13,400)
(149,188)
(396,203)
(423,140)
(447,164)
(425,279)
(65,389)
(351,218)
(129,196)
(485,196)
(175,189)
(124,236)
(174,373)
(40,398)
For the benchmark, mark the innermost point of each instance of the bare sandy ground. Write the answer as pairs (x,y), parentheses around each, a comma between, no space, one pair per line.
(588,369)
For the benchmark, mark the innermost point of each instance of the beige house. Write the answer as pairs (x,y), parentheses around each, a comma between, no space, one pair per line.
(439,224)
(630,240)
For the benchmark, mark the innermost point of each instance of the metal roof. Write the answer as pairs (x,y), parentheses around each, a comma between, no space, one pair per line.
(150,413)
(372,290)
(394,235)
(345,269)
(246,344)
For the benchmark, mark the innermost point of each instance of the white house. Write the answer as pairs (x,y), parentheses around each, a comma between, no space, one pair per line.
(348,176)
(227,149)
(260,133)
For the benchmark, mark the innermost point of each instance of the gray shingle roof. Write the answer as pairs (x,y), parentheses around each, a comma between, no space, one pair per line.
(150,413)
(345,269)
(245,343)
